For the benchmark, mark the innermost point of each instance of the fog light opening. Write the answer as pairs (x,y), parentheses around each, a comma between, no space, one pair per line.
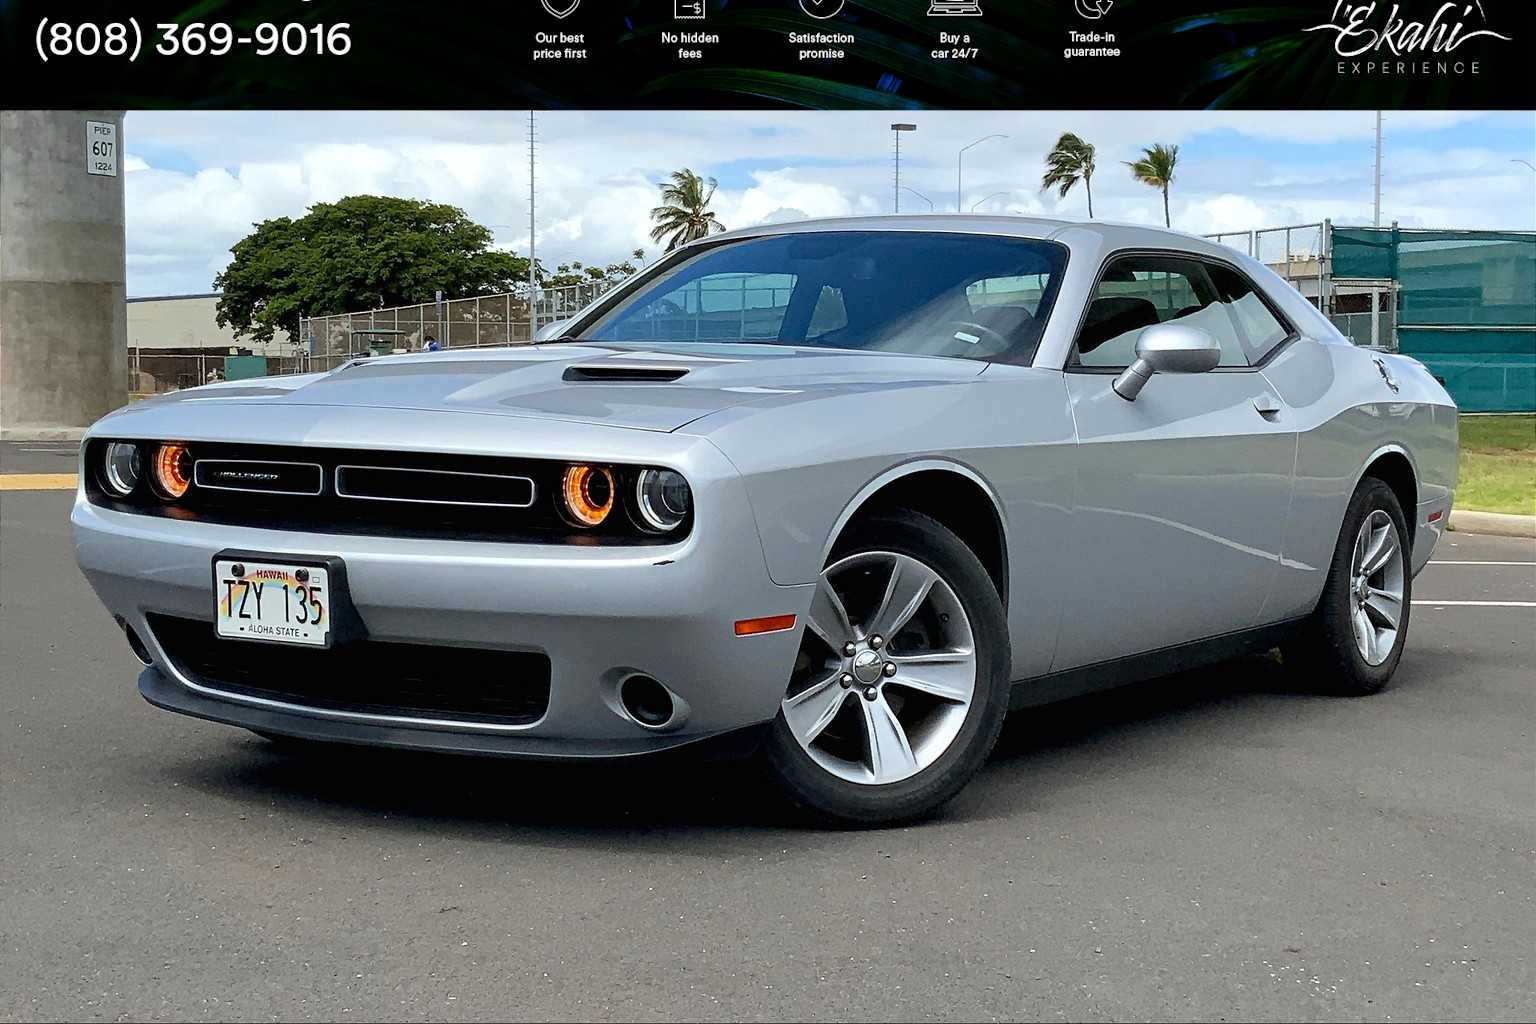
(646,701)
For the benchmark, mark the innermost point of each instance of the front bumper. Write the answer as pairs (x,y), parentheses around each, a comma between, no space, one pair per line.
(598,613)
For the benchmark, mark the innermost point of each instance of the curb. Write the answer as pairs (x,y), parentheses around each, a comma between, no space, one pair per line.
(1494,524)
(42,433)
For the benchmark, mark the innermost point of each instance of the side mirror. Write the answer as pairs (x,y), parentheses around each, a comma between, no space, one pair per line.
(550,331)
(1168,348)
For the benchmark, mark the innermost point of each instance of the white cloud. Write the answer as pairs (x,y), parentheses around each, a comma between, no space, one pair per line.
(197,180)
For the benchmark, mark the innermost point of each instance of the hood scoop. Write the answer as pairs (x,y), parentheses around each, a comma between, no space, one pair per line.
(621,373)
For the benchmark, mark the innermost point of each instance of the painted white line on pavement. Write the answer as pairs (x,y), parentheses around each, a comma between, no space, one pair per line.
(1479,604)
(1482,563)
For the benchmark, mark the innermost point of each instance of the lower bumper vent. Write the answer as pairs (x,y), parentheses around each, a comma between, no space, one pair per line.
(367,677)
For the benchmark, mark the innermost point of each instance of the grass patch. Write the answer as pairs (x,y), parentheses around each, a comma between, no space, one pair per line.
(1498,464)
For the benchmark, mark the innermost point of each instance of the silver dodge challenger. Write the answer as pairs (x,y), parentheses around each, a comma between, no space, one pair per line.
(839,494)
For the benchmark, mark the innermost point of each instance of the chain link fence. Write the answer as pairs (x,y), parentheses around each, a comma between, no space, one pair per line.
(1367,329)
(1297,252)
(479,322)
(156,372)
(1364,310)
(326,342)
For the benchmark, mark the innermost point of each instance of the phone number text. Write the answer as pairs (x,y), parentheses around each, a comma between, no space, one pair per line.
(125,39)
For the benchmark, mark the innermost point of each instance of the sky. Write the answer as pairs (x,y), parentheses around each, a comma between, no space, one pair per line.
(198,180)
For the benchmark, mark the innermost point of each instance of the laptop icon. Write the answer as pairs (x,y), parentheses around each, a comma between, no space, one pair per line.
(954,9)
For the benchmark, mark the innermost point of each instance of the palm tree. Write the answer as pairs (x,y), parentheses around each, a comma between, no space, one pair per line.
(1070,161)
(684,213)
(1155,168)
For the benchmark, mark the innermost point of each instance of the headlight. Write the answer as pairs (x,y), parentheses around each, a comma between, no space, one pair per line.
(662,499)
(121,467)
(587,494)
(173,470)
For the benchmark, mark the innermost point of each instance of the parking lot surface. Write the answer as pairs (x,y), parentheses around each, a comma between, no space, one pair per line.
(1218,844)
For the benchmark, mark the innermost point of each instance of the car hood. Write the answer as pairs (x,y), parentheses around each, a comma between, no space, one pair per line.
(644,387)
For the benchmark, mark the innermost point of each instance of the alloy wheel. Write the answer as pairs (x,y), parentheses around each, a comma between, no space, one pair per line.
(1376,587)
(886,672)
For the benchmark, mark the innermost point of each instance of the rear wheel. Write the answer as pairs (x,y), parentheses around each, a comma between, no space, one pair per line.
(901,683)
(1354,640)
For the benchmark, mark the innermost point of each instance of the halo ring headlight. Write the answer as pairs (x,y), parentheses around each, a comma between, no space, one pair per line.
(121,468)
(662,499)
(172,470)
(587,494)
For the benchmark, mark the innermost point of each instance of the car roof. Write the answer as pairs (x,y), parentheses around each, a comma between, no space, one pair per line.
(1112,235)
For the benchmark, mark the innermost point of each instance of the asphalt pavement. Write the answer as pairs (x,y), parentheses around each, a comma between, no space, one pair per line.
(1213,845)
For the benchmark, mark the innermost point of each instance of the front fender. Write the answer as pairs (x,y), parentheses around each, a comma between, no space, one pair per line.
(811,459)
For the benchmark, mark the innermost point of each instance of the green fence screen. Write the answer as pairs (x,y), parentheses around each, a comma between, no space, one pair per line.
(1466,305)
(244,367)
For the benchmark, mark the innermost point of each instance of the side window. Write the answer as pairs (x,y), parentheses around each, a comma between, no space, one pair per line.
(1261,329)
(1136,292)
(717,307)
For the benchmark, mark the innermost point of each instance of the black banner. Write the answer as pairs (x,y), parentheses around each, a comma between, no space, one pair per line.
(1002,54)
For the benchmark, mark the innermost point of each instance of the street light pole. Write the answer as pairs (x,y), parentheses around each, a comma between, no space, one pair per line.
(960,169)
(896,130)
(919,195)
(994,195)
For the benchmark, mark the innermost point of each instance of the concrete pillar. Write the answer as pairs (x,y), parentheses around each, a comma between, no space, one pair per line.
(63,292)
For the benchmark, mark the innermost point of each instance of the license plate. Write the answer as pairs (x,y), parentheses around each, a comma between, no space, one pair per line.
(285,604)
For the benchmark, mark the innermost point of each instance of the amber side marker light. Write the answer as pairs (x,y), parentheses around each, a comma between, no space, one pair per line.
(766,624)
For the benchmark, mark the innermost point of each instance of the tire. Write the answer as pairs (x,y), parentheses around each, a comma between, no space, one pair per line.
(841,775)
(1328,648)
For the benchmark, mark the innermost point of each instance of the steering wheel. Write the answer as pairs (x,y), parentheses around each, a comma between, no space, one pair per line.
(996,343)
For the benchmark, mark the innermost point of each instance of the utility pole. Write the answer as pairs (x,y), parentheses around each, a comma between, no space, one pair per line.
(1376,220)
(533,309)
(896,130)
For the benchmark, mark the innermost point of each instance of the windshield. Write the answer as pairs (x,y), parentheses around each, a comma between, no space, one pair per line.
(914,292)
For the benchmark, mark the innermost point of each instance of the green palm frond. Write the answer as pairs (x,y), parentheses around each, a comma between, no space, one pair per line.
(1071,160)
(1156,168)
(684,214)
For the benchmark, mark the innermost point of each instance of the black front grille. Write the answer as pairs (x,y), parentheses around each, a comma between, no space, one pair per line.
(377,493)
(369,677)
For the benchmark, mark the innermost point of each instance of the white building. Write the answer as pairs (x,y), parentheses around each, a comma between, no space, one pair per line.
(190,322)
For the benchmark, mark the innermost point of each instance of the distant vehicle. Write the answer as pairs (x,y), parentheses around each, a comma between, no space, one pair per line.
(838,492)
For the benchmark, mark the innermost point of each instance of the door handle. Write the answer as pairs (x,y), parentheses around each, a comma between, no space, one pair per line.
(1267,405)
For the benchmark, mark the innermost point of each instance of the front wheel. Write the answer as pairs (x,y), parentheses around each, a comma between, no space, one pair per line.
(901,683)
(1354,639)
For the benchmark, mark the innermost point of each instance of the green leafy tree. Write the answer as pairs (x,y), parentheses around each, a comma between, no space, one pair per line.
(1068,162)
(361,252)
(684,214)
(1155,168)
(576,272)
